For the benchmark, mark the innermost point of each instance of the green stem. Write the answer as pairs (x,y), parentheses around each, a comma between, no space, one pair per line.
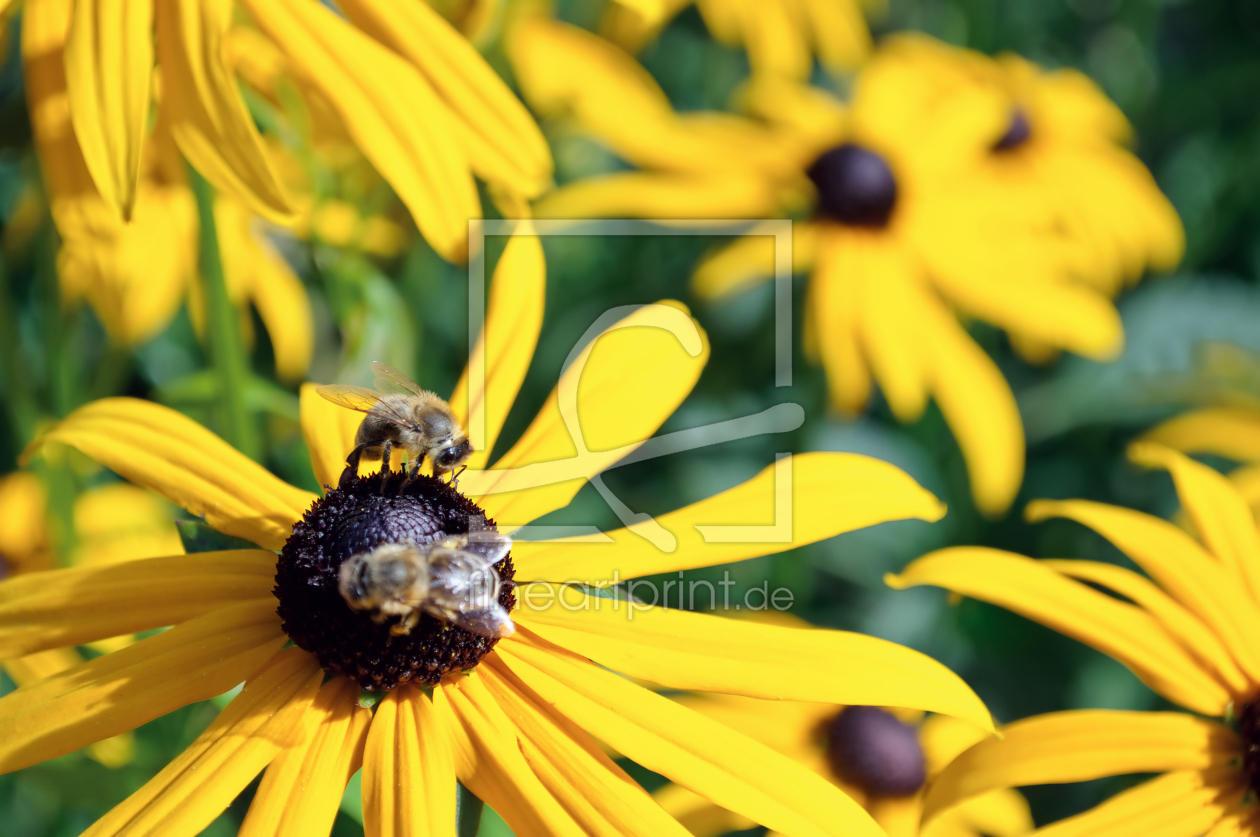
(227,349)
(17,387)
(467,813)
(63,392)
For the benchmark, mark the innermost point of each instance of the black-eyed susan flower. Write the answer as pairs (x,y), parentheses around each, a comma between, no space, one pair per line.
(416,97)
(1057,150)
(782,37)
(1189,628)
(899,238)
(111,523)
(884,758)
(513,718)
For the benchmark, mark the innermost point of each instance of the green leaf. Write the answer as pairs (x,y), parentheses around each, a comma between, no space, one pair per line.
(197,536)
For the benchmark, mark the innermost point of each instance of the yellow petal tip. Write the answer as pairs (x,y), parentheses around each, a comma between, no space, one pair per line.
(1151,455)
(1039,510)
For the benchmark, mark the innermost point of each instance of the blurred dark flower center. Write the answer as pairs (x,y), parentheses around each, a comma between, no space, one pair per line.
(1017,133)
(359,516)
(1249,732)
(872,749)
(855,186)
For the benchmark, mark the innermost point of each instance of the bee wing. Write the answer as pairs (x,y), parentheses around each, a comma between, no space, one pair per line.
(492,622)
(364,400)
(489,547)
(387,377)
(355,398)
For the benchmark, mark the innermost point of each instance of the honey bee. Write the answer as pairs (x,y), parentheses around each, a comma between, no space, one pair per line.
(414,419)
(451,579)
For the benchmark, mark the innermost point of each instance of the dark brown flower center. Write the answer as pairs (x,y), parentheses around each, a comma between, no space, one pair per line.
(1249,733)
(872,749)
(357,517)
(1018,132)
(855,186)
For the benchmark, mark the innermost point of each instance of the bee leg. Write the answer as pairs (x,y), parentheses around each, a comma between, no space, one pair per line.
(387,467)
(454,480)
(405,625)
(413,471)
(352,463)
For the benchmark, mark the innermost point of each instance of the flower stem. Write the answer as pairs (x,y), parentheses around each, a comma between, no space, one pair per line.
(22,410)
(227,350)
(467,813)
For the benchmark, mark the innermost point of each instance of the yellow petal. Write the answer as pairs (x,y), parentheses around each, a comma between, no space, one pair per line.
(842,39)
(1187,628)
(408,767)
(195,788)
(749,260)
(29,670)
(698,652)
(120,522)
(1179,565)
(1182,804)
(978,406)
(1224,431)
(999,813)
(702,755)
(61,608)
(158,448)
(506,344)
(504,144)
(24,523)
(599,794)
(301,790)
(775,42)
(799,500)
(109,59)
(489,762)
(1221,516)
(834,316)
(1037,592)
(1080,745)
(251,263)
(662,196)
(1238,823)
(329,431)
(616,392)
(697,814)
(895,342)
(120,691)
(390,110)
(207,115)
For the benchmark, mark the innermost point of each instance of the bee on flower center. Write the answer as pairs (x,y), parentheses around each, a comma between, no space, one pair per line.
(414,419)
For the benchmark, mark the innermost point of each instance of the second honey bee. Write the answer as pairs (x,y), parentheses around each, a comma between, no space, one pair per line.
(452,579)
(414,419)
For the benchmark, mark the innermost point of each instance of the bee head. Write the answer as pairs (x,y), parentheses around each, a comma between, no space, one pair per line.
(447,459)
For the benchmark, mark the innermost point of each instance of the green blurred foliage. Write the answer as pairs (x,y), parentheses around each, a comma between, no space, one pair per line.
(1185,73)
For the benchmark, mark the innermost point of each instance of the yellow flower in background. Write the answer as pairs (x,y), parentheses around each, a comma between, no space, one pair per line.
(417,99)
(897,241)
(112,523)
(1057,150)
(1189,628)
(512,719)
(782,37)
(883,758)
(136,274)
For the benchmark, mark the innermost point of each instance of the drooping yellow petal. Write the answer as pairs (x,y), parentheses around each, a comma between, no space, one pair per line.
(1079,745)
(1187,628)
(799,500)
(251,263)
(750,260)
(263,720)
(489,762)
(1179,565)
(894,341)
(834,311)
(59,608)
(408,768)
(1221,516)
(120,691)
(1181,804)
(616,392)
(999,813)
(158,448)
(329,431)
(485,392)
(708,758)
(109,60)
(29,670)
(697,814)
(1224,431)
(390,110)
(301,790)
(598,793)
(504,144)
(208,117)
(1037,592)
(698,652)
